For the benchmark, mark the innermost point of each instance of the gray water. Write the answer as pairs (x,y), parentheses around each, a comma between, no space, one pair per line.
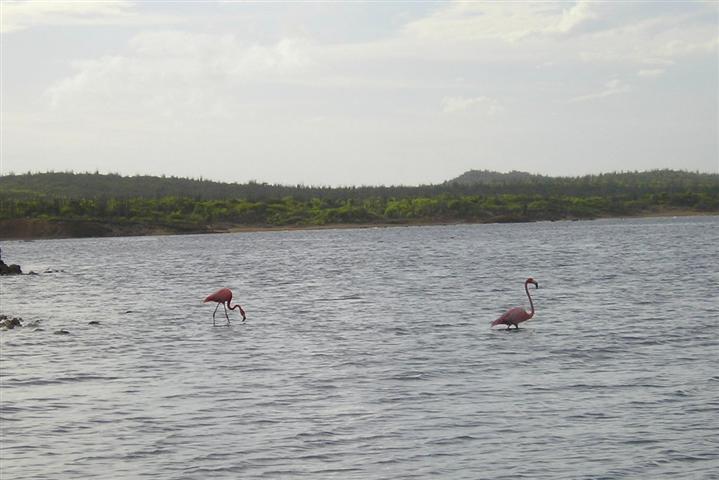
(367,354)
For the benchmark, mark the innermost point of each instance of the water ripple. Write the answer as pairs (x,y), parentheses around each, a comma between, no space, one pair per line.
(367,354)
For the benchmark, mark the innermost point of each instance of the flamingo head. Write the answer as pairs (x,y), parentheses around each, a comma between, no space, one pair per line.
(531,280)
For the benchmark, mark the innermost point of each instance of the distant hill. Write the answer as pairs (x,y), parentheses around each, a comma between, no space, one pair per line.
(68,185)
(488,177)
(614,183)
(95,185)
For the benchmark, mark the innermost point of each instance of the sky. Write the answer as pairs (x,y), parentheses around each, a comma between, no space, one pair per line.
(357,93)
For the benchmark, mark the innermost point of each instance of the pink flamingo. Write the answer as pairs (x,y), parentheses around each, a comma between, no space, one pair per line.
(515,316)
(224,296)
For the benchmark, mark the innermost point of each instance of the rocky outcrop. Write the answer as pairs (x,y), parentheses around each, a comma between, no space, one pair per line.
(11,269)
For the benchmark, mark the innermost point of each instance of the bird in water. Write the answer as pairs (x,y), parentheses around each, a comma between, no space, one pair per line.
(515,316)
(224,296)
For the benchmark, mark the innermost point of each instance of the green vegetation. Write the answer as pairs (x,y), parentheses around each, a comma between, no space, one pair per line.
(187,205)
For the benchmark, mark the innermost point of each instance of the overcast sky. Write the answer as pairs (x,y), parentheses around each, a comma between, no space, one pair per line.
(358,93)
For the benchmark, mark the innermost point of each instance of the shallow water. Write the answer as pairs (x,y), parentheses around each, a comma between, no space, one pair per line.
(367,354)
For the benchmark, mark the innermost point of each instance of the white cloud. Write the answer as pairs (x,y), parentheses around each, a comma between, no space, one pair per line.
(509,21)
(175,71)
(612,87)
(259,91)
(220,54)
(571,19)
(681,47)
(19,15)
(651,72)
(459,104)
(593,32)
(207,65)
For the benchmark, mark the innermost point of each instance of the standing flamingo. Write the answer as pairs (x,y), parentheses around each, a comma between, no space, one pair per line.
(515,316)
(224,296)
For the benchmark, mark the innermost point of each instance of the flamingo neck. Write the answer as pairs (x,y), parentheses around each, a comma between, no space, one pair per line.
(237,305)
(531,304)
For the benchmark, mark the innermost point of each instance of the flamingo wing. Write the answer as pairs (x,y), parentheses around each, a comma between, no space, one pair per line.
(221,296)
(511,316)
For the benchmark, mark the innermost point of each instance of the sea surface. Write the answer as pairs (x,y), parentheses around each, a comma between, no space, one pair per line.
(366,354)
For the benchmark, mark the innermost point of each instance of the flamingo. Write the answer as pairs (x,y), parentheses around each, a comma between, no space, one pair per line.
(515,316)
(224,296)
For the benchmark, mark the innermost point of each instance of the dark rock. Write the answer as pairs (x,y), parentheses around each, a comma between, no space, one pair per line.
(10,323)
(93,322)
(6,269)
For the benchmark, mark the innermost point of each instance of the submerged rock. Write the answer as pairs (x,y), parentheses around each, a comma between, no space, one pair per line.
(62,331)
(8,323)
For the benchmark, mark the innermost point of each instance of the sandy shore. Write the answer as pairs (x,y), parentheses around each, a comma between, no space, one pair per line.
(35,229)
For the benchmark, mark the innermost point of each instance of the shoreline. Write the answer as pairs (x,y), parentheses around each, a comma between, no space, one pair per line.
(40,229)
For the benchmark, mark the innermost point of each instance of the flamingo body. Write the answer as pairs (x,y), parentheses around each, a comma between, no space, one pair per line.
(515,316)
(221,296)
(224,296)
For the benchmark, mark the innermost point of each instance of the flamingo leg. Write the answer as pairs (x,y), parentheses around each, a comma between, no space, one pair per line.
(226,316)
(213,315)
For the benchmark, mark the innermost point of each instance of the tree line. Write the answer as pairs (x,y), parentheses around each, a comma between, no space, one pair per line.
(473,183)
(164,201)
(171,210)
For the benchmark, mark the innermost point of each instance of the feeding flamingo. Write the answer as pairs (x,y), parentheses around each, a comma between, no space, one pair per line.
(515,316)
(224,296)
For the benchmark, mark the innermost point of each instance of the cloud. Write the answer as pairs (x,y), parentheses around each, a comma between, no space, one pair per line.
(589,32)
(460,104)
(651,72)
(176,71)
(510,22)
(482,35)
(580,14)
(612,87)
(251,86)
(18,15)
(220,54)
(675,48)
